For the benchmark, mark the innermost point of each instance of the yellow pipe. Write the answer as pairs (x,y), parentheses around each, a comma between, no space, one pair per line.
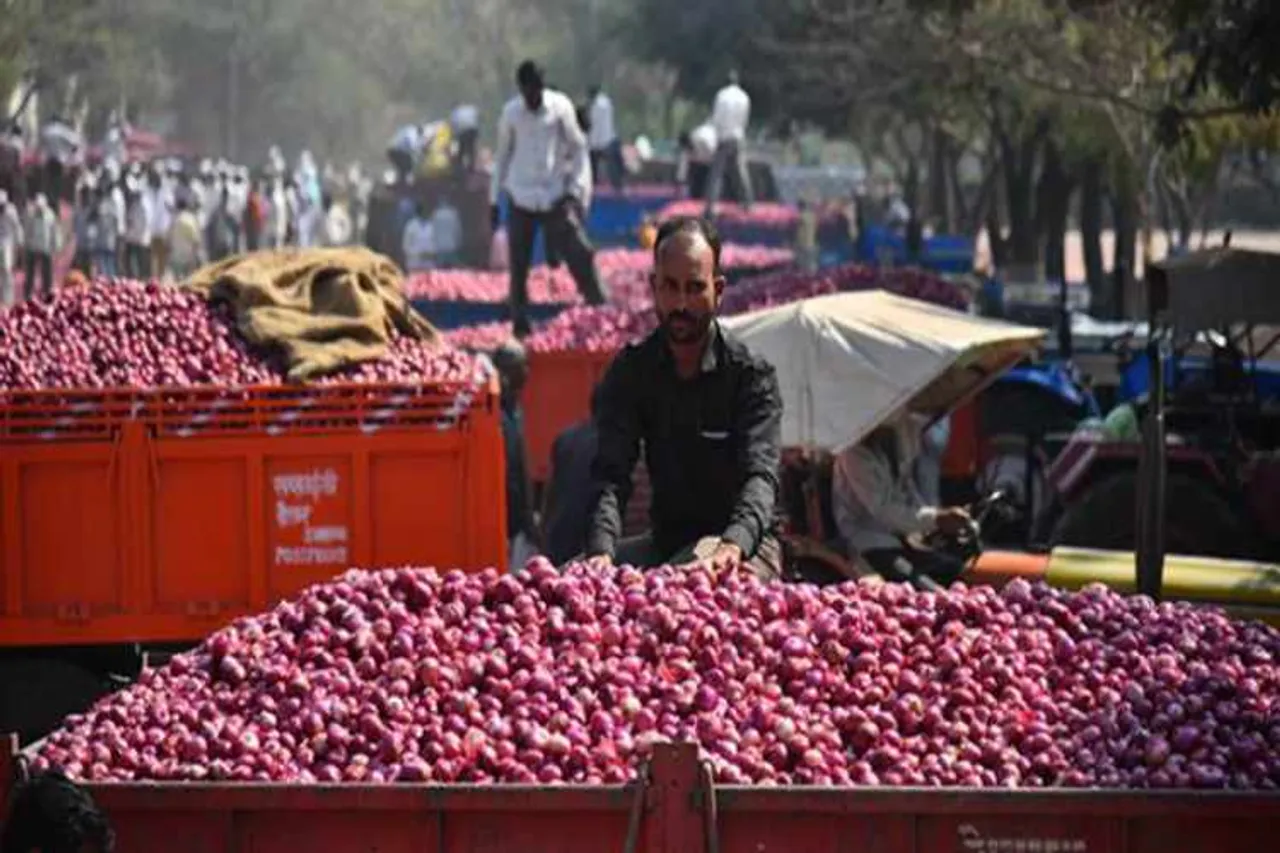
(1244,589)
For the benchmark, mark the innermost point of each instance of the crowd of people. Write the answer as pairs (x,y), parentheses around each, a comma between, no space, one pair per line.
(118,213)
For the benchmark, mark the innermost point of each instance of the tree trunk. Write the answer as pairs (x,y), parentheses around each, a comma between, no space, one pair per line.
(1124,219)
(911,189)
(1091,236)
(1054,205)
(1019,162)
(940,209)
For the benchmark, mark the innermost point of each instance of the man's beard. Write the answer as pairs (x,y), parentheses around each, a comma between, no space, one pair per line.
(681,327)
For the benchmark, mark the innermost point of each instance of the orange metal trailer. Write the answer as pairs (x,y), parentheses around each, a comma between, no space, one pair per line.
(142,517)
(676,809)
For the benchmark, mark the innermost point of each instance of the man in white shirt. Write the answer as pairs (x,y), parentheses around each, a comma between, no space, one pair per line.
(137,231)
(43,239)
(877,501)
(161,205)
(404,150)
(446,231)
(418,242)
(729,117)
(465,124)
(606,148)
(542,164)
(697,149)
(10,242)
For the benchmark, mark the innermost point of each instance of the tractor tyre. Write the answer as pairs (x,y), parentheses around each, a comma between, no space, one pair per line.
(1198,521)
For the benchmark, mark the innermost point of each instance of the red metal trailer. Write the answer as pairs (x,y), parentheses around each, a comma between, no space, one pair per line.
(675,810)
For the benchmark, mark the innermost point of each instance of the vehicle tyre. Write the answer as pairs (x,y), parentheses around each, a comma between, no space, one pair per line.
(1198,521)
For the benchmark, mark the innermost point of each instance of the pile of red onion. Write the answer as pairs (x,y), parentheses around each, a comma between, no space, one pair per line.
(608,328)
(546,676)
(624,271)
(786,286)
(128,334)
(767,214)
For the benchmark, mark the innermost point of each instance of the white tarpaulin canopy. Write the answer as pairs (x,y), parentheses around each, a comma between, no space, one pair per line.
(847,362)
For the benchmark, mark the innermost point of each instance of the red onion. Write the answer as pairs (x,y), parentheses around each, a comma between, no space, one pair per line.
(540,676)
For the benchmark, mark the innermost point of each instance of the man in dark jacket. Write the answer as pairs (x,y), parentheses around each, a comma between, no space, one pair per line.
(708,414)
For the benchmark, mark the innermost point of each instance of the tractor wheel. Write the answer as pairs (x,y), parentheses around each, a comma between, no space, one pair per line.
(1198,522)
(36,693)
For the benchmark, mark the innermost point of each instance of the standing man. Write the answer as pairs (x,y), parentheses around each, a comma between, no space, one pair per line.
(708,414)
(42,239)
(10,242)
(418,242)
(446,231)
(160,201)
(541,162)
(606,148)
(61,147)
(729,117)
(404,150)
(465,123)
(512,365)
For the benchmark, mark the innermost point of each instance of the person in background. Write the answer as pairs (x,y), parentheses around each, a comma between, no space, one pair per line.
(606,147)
(10,241)
(12,179)
(335,223)
(541,163)
(255,216)
(106,244)
(693,167)
(61,148)
(648,232)
(707,413)
(85,226)
(48,813)
(807,237)
(730,115)
(159,197)
(41,242)
(512,364)
(115,143)
(877,502)
(137,232)
(567,503)
(277,227)
(220,233)
(236,182)
(404,150)
(446,233)
(465,121)
(186,241)
(418,241)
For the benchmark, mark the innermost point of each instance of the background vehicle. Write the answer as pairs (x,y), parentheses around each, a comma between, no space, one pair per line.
(1219,423)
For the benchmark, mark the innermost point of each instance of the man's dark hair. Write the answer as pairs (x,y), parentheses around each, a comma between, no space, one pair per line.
(529,74)
(688,225)
(51,814)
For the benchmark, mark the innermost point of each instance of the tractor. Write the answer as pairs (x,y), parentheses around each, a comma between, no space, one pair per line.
(1207,450)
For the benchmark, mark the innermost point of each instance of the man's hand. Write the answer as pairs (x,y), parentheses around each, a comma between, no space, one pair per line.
(495,217)
(725,557)
(952,520)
